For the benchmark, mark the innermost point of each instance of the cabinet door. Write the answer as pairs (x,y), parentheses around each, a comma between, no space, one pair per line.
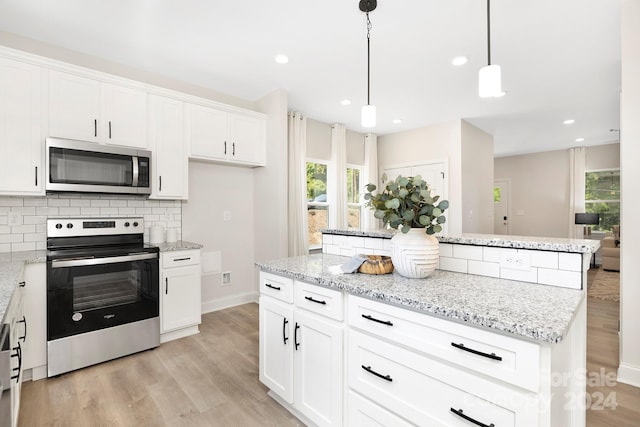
(318,368)
(276,347)
(247,136)
(170,162)
(125,116)
(74,106)
(20,128)
(180,298)
(207,132)
(35,299)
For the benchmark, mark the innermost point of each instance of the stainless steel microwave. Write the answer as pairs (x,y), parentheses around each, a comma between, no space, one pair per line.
(88,167)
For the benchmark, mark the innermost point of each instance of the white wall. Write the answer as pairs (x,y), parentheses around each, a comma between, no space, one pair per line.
(603,157)
(477,180)
(539,193)
(318,140)
(629,370)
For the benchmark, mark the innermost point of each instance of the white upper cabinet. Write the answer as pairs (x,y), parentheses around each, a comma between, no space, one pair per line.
(218,135)
(90,110)
(21,109)
(169,161)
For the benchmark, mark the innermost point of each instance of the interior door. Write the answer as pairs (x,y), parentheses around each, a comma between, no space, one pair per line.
(501,206)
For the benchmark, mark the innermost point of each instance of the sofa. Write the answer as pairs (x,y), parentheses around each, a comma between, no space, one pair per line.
(611,250)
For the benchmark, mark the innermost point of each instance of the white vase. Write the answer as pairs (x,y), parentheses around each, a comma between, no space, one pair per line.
(414,254)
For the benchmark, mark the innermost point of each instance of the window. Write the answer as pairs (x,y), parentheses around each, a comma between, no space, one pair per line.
(353,197)
(602,196)
(317,206)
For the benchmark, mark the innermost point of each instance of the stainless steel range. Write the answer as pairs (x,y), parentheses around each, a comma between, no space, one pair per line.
(102,291)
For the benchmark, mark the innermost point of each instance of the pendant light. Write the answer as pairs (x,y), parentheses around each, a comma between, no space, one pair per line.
(490,85)
(368,111)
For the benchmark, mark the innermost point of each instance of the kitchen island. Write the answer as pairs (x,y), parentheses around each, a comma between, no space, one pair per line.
(452,349)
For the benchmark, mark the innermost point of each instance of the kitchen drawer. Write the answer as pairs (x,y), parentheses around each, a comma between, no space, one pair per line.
(324,301)
(365,413)
(431,393)
(180,258)
(497,356)
(276,286)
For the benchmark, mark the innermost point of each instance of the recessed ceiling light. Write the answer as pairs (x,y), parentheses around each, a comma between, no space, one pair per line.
(579,139)
(397,121)
(345,102)
(569,122)
(282,59)
(459,60)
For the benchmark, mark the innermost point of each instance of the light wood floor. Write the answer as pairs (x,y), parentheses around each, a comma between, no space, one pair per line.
(211,379)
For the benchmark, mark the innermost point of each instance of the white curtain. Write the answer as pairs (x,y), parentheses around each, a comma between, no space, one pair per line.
(370,172)
(297,209)
(337,193)
(577,189)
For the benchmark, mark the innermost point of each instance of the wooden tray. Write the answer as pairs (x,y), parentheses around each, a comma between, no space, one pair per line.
(376,264)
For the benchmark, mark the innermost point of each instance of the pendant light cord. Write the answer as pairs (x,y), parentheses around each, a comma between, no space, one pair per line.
(368,59)
(489,31)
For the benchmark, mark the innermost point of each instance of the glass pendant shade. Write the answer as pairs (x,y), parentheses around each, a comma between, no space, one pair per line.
(368,116)
(490,85)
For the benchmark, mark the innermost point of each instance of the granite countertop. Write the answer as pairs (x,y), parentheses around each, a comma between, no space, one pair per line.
(11,265)
(555,244)
(542,313)
(180,245)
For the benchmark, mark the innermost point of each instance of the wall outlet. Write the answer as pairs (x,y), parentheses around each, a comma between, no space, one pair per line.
(226,278)
(14,218)
(515,260)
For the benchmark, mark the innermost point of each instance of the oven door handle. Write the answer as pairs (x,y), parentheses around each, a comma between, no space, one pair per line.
(97,261)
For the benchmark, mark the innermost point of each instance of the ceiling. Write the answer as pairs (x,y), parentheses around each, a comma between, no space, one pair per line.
(560,59)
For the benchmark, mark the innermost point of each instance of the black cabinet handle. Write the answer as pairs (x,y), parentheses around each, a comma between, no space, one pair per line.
(284,330)
(22,284)
(109,129)
(24,320)
(317,301)
(225,147)
(18,354)
(234,149)
(182,259)
(268,285)
(479,353)
(371,371)
(36,176)
(373,319)
(471,420)
(160,183)
(95,128)
(295,336)
(166,285)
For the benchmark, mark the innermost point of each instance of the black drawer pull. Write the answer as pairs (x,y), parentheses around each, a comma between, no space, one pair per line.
(384,322)
(182,259)
(479,353)
(471,420)
(24,320)
(22,284)
(317,301)
(269,285)
(295,336)
(371,371)
(285,338)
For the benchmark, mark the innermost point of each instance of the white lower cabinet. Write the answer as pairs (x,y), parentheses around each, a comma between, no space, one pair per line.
(301,354)
(180,294)
(35,303)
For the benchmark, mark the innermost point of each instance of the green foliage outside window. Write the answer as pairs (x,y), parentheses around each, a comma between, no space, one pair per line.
(316,180)
(602,195)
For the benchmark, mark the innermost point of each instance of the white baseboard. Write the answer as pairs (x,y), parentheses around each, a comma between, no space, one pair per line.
(629,374)
(180,333)
(232,301)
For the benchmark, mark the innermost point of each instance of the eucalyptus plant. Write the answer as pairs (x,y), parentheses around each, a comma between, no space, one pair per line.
(406,203)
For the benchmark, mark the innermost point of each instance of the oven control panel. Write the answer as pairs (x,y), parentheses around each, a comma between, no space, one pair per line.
(73,227)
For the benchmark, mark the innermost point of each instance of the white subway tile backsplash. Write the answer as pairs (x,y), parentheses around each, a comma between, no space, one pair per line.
(519,275)
(544,259)
(483,268)
(373,243)
(567,279)
(571,262)
(467,252)
(491,254)
(446,249)
(453,264)
(34,211)
(327,239)
(331,249)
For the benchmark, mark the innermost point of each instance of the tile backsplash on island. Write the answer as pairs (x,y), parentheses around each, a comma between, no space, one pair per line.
(23,219)
(565,266)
